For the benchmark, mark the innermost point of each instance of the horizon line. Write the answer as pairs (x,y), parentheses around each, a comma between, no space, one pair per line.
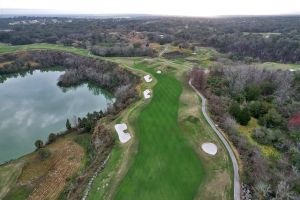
(6,11)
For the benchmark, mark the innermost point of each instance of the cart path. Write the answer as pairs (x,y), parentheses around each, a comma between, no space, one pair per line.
(224,141)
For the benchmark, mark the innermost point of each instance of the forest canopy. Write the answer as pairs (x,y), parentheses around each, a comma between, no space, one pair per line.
(251,38)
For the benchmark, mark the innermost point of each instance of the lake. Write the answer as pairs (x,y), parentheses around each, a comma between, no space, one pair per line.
(33,106)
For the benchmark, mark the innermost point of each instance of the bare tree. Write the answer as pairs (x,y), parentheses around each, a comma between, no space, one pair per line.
(283,192)
(262,190)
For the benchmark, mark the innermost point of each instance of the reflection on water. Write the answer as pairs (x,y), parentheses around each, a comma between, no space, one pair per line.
(32,106)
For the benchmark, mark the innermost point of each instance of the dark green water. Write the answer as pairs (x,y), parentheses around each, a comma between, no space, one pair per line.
(33,106)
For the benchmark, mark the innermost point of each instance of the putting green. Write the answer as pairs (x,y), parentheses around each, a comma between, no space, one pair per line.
(165,166)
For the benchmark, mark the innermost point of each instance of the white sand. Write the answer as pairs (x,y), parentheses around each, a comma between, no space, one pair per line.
(123,137)
(158,72)
(209,148)
(147,94)
(292,70)
(148,78)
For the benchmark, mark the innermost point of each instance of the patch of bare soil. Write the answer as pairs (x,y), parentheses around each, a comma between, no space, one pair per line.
(65,160)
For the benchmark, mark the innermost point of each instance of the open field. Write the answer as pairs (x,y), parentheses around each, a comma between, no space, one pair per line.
(8,176)
(42,179)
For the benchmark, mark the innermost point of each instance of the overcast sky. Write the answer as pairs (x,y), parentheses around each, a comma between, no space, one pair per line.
(164,7)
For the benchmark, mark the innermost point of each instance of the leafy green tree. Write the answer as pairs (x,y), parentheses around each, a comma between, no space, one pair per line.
(258,108)
(267,88)
(295,156)
(295,135)
(252,92)
(241,115)
(271,119)
(38,144)
(254,109)
(235,109)
(68,125)
(244,116)
(51,138)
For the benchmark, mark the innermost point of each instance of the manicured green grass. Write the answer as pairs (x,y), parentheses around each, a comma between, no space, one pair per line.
(165,166)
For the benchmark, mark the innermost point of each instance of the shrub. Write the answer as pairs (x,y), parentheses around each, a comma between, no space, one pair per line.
(266,136)
(38,144)
(271,119)
(235,109)
(258,108)
(51,138)
(267,88)
(295,135)
(44,154)
(244,116)
(252,92)
(295,156)
(241,115)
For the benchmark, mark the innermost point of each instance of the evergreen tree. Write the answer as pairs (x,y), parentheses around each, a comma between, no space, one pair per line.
(51,138)
(252,92)
(244,116)
(68,125)
(235,109)
(38,144)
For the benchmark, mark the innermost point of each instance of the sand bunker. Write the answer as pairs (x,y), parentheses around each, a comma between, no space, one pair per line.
(292,70)
(158,72)
(147,94)
(209,148)
(148,78)
(123,137)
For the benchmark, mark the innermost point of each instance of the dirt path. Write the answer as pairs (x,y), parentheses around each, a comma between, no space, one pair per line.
(226,144)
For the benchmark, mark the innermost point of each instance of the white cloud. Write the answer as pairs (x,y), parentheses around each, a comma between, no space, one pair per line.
(167,7)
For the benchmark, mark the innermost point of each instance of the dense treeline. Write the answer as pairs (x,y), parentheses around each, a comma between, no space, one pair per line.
(283,47)
(258,38)
(78,69)
(237,94)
